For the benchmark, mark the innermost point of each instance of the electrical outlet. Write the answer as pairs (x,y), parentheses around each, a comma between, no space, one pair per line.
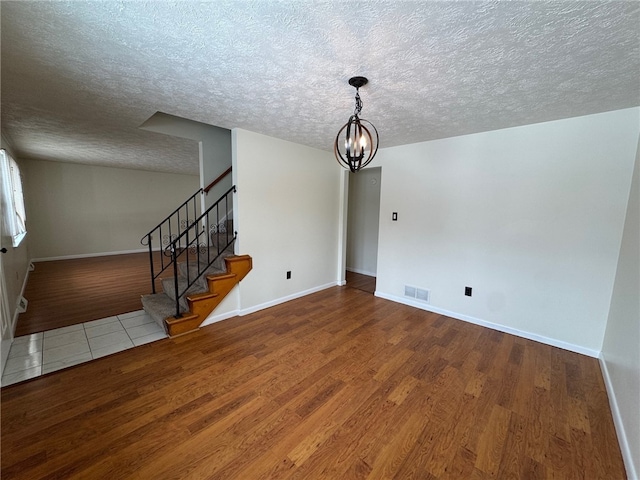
(467,291)
(289,275)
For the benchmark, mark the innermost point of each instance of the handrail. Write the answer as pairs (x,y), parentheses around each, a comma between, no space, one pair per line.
(188,209)
(206,225)
(217,180)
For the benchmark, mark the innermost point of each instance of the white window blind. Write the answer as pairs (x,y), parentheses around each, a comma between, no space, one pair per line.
(14,217)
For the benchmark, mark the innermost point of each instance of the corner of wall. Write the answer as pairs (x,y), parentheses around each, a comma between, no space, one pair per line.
(618,420)
(619,359)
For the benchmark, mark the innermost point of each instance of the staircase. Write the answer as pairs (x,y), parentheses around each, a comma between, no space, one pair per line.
(199,253)
(201,298)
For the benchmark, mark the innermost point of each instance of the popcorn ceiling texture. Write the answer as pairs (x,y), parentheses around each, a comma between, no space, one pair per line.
(78,78)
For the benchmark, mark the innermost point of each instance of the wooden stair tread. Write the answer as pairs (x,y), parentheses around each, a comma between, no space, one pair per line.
(221,276)
(187,316)
(237,258)
(202,296)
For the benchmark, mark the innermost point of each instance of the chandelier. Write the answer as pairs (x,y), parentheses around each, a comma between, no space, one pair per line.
(357,141)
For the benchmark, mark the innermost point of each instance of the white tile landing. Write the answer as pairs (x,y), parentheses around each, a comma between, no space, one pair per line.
(39,353)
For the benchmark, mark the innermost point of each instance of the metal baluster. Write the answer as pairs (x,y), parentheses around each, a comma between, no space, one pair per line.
(208,227)
(226,211)
(174,259)
(153,277)
(217,229)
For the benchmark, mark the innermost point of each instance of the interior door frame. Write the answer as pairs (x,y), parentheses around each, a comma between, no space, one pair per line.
(343,223)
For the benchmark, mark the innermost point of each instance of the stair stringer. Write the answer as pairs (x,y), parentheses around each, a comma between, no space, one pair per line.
(202,304)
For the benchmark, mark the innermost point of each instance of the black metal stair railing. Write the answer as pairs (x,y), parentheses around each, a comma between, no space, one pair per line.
(202,243)
(160,238)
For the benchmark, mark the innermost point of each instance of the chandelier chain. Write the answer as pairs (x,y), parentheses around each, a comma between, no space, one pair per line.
(358,108)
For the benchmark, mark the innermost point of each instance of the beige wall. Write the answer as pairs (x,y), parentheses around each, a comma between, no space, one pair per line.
(531,217)
(288,204)
(16,261)
(214,145)
(620,352)
(77,209)
(363,221)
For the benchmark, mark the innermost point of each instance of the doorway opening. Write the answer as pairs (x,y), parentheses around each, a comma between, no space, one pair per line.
(363,220)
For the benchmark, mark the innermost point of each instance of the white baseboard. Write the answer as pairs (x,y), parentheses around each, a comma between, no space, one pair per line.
(293,296)
(90,255)
(246,311)
(218,318)
(361,272)
(494,326)
(625,449)
(341,283)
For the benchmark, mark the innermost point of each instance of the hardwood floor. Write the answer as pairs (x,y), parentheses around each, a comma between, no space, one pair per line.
(68,292)
(365,283)
(338,384)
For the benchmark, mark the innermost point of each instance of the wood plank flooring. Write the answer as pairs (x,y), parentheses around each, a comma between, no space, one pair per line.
(365,283)
(335,385)
(66,292)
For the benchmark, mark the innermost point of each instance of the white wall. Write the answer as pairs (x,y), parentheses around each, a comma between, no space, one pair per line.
(363,219)
(216,158)
(214,146)
(621,347)
(13,265)
(530,217)
(77,209)
(288,203)
(16,261)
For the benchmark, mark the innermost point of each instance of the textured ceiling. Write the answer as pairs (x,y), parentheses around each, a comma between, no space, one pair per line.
(78,78)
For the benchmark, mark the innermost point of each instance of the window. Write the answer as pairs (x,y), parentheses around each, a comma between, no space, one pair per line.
(13,213)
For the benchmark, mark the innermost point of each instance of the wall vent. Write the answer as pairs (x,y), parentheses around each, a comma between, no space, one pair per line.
(422,294)
(22,305)
(417,293)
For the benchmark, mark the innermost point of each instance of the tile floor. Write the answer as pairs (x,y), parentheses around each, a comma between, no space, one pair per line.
(44,352)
